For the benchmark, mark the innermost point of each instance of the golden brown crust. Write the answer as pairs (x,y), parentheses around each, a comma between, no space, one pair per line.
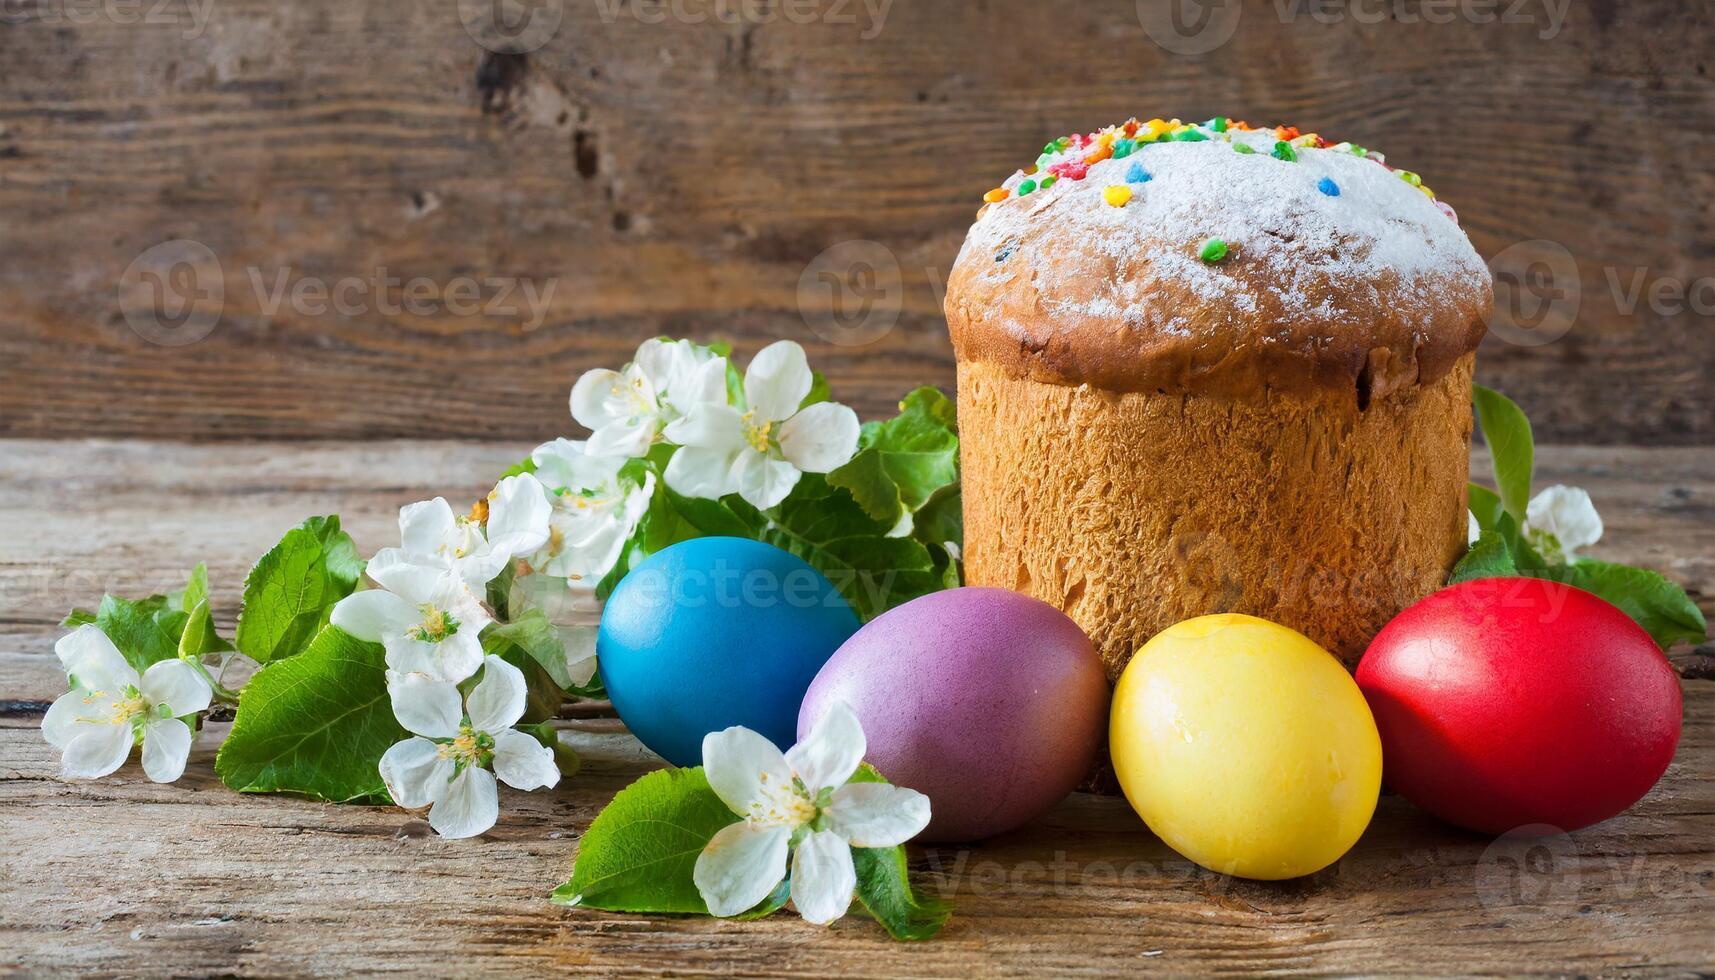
(1370,337)
(1134,511)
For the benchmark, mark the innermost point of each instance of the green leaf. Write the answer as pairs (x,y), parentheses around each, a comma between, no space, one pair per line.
(315,724)
(1656,603)
(199,636)
(1485,505)
(902,462)
(536,637)
(523,466)
(1511,447)
(942,519)
(1489,557)
(291,591)
(195,590)
(884,888)
(77,617)
(146,631)
(639,853)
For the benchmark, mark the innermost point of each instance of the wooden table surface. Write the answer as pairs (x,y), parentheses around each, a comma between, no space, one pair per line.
(126,876)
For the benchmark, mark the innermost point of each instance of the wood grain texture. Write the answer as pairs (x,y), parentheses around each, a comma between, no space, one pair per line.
(126,876)
(680,176)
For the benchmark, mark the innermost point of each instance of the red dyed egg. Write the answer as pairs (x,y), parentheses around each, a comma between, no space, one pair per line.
(1513,701)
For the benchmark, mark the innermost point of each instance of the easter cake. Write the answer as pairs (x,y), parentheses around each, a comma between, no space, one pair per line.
(1213,368)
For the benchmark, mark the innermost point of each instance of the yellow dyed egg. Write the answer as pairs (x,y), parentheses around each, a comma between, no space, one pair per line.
(1246,747)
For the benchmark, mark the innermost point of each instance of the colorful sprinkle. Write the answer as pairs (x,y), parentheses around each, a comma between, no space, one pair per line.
(1005,253)
(1213,250)
(1074,156)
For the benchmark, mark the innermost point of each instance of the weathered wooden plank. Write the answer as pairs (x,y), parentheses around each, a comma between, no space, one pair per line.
(125,876)
(679,174)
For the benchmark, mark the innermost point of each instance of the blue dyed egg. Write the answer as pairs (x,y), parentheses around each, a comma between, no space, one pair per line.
(716,632)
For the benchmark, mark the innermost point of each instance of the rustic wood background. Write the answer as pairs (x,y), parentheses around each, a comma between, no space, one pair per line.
(670,172)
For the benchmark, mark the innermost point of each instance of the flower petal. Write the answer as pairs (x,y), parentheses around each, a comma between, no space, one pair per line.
(98,751)
(831,752)
(517,518)
(740,866)
(498,700)
(1473,530)
(374,614)
(821,438)
(459,655)
(598,397)
(744,769)
(761,480)
(823,877)
(1567,513)
(427,527)
(708,425)
(88,655)
(178,685)
(413,578)
(777,381)
(470,805)
(704,384)
(877,814)
(698,472)
(166,746)
(630,436)
(523,763)
(579,642)
(415,772)
(70,716)
(425,705)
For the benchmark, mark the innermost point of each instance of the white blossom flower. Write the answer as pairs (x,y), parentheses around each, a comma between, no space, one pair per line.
(1473,530)
(426,617)
(760,452)
(1560,520)
(459,749)
(801,801)
(432,535)
(110,708)
(595,509)
(626,410)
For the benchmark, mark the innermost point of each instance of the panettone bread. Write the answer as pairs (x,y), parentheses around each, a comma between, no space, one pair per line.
(1209,368)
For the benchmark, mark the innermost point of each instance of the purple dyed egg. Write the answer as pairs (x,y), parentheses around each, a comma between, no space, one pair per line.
(991,703)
